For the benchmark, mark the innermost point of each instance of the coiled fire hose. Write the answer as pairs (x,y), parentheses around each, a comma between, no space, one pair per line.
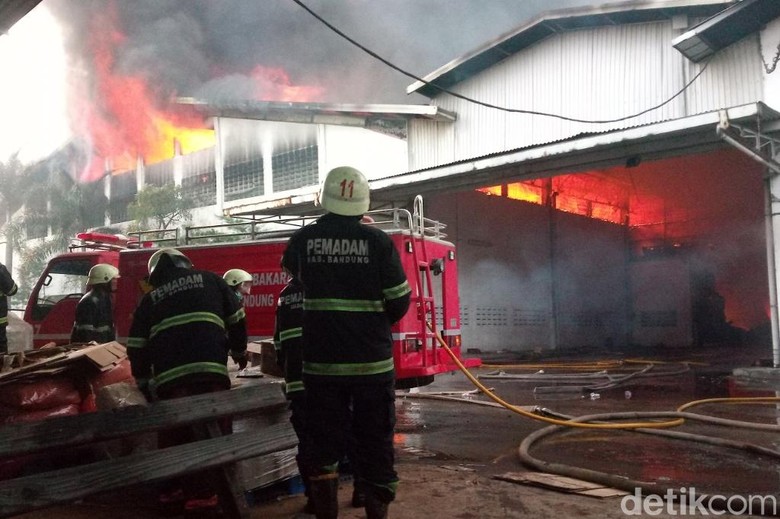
(595,421)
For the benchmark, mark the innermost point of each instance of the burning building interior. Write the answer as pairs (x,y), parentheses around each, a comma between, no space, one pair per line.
(662,251)
(668,253)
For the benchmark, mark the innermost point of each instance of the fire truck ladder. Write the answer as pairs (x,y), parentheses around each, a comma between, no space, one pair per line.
(426,303)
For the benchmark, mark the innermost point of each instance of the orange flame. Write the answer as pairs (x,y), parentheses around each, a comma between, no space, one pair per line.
(127,119)
(273,84)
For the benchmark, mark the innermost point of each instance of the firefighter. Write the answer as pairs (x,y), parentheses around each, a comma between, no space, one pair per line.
(240,281)
(355,289)
(289,357)
(288,337)
(7,288)
(94,316)
(180,338)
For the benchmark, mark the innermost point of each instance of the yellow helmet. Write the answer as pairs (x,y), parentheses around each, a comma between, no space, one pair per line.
(345,192)
(235,277)
(102,273)
(179,259)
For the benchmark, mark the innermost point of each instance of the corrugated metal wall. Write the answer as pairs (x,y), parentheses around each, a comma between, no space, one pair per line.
(603,73)
(527,276)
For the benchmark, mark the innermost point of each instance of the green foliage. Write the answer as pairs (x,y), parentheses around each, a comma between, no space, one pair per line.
(33,259)
(62,206)
(14,184)
(230,230)
(159,207)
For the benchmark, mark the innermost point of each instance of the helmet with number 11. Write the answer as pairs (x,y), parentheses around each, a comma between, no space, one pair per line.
(345,192)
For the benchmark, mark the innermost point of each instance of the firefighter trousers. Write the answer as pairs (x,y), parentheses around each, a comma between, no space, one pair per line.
(339,412)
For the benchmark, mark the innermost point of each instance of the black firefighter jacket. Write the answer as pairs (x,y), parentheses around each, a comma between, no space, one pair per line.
(7,288)
(355,290)
(184,328)
(288,336)
(94,318)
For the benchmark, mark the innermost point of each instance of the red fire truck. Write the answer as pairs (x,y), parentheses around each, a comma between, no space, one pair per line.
(256,246)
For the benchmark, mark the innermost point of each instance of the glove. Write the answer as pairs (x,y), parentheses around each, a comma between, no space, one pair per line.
(240,359)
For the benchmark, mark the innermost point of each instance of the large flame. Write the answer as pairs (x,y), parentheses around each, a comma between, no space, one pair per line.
(126,118)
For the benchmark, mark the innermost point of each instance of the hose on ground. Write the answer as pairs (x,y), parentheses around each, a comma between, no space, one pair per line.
(528,414)
(628,484)
(649,427)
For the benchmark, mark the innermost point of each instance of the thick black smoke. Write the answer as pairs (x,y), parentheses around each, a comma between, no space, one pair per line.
(208,48)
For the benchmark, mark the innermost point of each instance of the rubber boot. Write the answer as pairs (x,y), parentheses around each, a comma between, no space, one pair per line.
(358,496)
(375,509)
(325,495)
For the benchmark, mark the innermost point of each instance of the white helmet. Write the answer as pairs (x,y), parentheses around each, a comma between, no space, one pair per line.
(345,192)
(235,277)
(179,259)
(102,273)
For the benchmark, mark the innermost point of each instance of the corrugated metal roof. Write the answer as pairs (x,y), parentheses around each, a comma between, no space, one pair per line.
(11,11)
(547,24)
(688,135)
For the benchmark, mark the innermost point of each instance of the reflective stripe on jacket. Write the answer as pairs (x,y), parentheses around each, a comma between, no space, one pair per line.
(288,336)
(185,327)
(355,289)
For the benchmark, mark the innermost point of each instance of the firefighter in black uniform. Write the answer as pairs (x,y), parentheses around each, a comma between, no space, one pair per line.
(7,288)
(288,336)
(94,316)
(178,346)
(240,281)
(288,343)
(355,289)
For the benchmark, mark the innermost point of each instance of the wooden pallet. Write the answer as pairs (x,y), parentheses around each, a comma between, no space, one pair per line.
(212,450)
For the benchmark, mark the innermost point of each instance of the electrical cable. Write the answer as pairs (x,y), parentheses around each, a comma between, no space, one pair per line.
(490,105)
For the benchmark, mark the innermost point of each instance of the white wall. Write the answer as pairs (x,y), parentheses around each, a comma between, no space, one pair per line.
(602,74)
(373,153)
(770,46)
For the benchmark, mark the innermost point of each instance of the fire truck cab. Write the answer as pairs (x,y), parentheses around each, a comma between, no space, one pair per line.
(256,246)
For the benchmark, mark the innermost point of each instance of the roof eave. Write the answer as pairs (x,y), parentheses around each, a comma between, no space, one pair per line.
(324,113)
(725,28)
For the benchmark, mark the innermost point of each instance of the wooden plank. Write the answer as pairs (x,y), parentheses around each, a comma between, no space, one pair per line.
(560,483)
(232,495)
(10,376)
(24,438)
(67,485)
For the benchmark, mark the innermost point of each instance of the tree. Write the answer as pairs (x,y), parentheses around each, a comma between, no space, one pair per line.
(163,205)
(14,185)
(60,205)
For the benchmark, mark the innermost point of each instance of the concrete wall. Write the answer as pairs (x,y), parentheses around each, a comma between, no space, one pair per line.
(373,153)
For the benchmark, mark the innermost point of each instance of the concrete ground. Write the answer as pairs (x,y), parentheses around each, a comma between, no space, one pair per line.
(449,452)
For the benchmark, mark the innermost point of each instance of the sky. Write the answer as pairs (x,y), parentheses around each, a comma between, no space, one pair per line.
(97,71)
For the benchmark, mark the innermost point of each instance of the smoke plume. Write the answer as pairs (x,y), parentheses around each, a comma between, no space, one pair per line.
(132,58)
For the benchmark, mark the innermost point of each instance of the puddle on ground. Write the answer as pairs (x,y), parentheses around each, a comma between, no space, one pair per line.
(460,430)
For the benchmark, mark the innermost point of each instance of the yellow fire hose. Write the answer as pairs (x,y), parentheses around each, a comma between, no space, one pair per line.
(554,421)
(586,425)
(657,428)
